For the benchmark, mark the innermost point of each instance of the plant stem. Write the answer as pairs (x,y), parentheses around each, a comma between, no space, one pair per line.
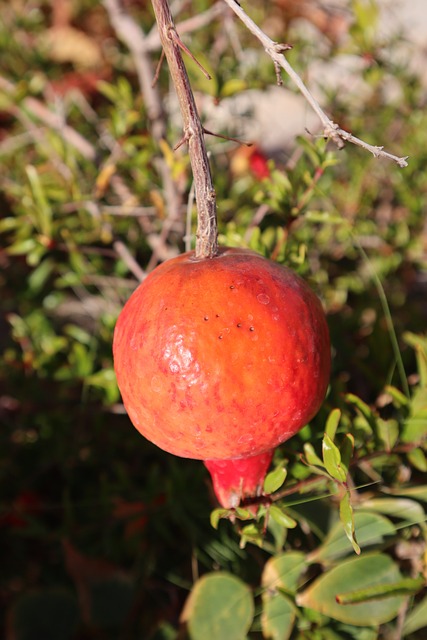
(206,238)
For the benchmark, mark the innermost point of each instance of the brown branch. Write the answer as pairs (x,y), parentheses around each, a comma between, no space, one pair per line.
(330,129)
(206,240)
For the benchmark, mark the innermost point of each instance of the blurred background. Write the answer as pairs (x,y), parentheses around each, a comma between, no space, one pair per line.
(102,535)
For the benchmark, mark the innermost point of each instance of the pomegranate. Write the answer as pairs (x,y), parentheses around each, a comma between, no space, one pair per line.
(222,360)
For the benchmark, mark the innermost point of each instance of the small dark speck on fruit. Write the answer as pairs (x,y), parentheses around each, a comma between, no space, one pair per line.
(251,328)
(239,324)
(217,315)
(206,318)
(232,286)
(220,336)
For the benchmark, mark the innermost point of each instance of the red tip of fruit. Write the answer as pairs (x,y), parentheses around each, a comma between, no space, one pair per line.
(237,479)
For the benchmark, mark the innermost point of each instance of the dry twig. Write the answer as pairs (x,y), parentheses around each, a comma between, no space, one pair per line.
(206,241)
(331,130)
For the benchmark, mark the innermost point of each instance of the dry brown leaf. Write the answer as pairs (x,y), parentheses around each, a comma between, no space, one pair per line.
(66,44)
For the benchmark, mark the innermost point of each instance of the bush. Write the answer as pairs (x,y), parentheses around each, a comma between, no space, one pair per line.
(98,527)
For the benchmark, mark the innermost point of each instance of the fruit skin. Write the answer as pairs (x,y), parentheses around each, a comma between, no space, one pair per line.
(238,478)
(221,358)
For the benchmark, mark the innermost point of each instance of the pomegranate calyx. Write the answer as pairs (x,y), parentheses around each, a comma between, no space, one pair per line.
(237,479)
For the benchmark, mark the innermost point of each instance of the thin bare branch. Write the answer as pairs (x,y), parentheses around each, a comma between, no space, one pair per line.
(152,41)
(331,130)
(206,239)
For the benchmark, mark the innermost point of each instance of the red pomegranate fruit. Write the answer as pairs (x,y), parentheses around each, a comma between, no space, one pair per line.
(222,360)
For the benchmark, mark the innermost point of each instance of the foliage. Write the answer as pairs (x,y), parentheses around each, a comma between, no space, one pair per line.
(103,535)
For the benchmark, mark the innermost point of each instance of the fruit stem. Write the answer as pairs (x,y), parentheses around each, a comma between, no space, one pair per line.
(206,237)
(237,479)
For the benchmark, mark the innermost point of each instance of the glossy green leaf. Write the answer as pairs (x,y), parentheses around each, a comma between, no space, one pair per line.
(284,571)
(281,517)
(332,459)
(366,571)
(372,530)
(278,616)
(332,423)
(347,520)
(274,480)
(219,606)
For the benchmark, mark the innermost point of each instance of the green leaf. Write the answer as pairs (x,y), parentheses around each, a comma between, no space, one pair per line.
(416,618)
(418,459)
(404,587)
(347,520)
(346,452)
(21,247)
(410,511)
(419,344)
(311,456)
(251,533)
(332,423)
(284,571)
(278,616)
(42,209)
(417,493)
(217,514)
(281,517)
(332,459)
(400,400)
(274,480)
(415,427)
(368,570)
(219,606)
(362,408)
(233,86)
(388,432)
(373,530)
(243,514)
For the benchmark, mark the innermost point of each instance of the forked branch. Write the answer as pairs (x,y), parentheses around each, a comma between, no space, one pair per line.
(331,130)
